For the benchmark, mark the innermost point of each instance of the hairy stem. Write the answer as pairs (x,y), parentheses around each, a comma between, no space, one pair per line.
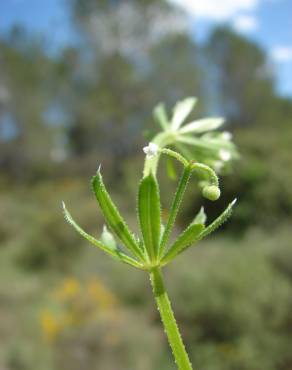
(168,320)
(174,208)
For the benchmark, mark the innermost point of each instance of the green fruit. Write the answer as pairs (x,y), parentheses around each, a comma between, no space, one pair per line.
(211,192)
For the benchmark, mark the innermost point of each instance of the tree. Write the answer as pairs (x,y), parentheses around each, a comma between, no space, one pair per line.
(244,80)
(25,71)
(245,91)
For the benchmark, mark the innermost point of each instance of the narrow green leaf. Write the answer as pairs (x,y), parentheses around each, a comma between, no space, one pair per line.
(149,214)
(113,252)
(184,150)
(201,217)
(181,110)
(175,207)
(160,115)
(113,217)
(171,172)
(219,220)
(202,125)
(206,143)
(185,240)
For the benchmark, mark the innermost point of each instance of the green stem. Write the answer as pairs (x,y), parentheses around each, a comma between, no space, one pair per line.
(168,320)
(175,155)
(203,167)
(175,207)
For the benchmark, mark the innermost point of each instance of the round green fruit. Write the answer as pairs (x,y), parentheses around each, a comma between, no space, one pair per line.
(211,192)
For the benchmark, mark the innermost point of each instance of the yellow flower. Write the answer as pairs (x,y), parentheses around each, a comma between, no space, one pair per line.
(68,290)
(51,326)
(100,294)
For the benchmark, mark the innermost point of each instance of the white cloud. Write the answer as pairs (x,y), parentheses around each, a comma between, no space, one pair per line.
(282,54)
(216,10)
(245,23)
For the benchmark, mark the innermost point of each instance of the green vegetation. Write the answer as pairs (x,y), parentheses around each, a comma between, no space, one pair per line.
(64,305)
(152,252)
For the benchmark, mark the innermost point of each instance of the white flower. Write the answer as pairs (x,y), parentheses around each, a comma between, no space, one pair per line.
(227,135)
(224,155)
(151,150)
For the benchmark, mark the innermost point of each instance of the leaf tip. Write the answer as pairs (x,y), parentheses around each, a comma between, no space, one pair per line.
(67,215)
(95,180)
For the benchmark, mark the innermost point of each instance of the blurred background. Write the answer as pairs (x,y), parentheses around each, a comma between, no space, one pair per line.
(78,82)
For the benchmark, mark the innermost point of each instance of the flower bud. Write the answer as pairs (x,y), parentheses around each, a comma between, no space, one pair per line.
(211,192)
(151,150)
(107,238)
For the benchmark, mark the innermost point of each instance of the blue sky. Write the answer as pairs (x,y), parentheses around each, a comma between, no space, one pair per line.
(269,22)
(47,18)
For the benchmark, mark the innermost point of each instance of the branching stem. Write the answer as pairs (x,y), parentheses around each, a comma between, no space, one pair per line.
(174,208)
